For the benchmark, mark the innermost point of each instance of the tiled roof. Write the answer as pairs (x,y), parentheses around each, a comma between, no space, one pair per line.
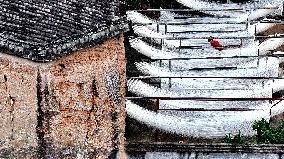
(44,30)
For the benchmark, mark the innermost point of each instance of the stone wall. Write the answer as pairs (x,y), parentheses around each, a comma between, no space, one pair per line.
(193,155)
(204,151)
(73,106)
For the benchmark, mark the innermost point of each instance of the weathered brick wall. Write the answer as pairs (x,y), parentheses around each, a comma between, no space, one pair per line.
(79,100)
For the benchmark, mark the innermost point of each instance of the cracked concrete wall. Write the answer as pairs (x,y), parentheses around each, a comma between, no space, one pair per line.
(78,113)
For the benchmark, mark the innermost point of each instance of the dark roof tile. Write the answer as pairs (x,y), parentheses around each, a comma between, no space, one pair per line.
(44,30)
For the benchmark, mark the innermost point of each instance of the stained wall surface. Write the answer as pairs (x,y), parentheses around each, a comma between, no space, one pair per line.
(72,106)
(18,103)
(193,155)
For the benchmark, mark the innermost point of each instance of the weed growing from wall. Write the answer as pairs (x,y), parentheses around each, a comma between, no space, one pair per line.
(265,134)
(234,139)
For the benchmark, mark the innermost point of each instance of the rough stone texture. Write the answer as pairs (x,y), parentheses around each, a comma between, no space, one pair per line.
(78,115)
(18,103)
(237,156)
(79,109)
(204,151)
(194,155)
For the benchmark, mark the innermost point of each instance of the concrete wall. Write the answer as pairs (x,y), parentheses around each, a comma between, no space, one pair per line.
(70,107)
(194,155)
(173,150)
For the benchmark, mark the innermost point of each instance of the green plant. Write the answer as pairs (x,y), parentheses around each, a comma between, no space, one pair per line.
(263,131)
(267,134)
(234,139)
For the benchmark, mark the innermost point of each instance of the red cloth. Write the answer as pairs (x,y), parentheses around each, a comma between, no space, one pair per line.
(216,44)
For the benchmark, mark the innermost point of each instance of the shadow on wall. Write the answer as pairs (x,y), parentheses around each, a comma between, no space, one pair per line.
(278,94)
(113,86)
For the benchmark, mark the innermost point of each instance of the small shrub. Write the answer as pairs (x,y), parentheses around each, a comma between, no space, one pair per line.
(268,135)
(234,139)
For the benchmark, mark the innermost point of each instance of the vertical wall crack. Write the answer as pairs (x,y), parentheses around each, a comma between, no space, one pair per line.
(40,117)
(94,92)
(11,102)
(12,115)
